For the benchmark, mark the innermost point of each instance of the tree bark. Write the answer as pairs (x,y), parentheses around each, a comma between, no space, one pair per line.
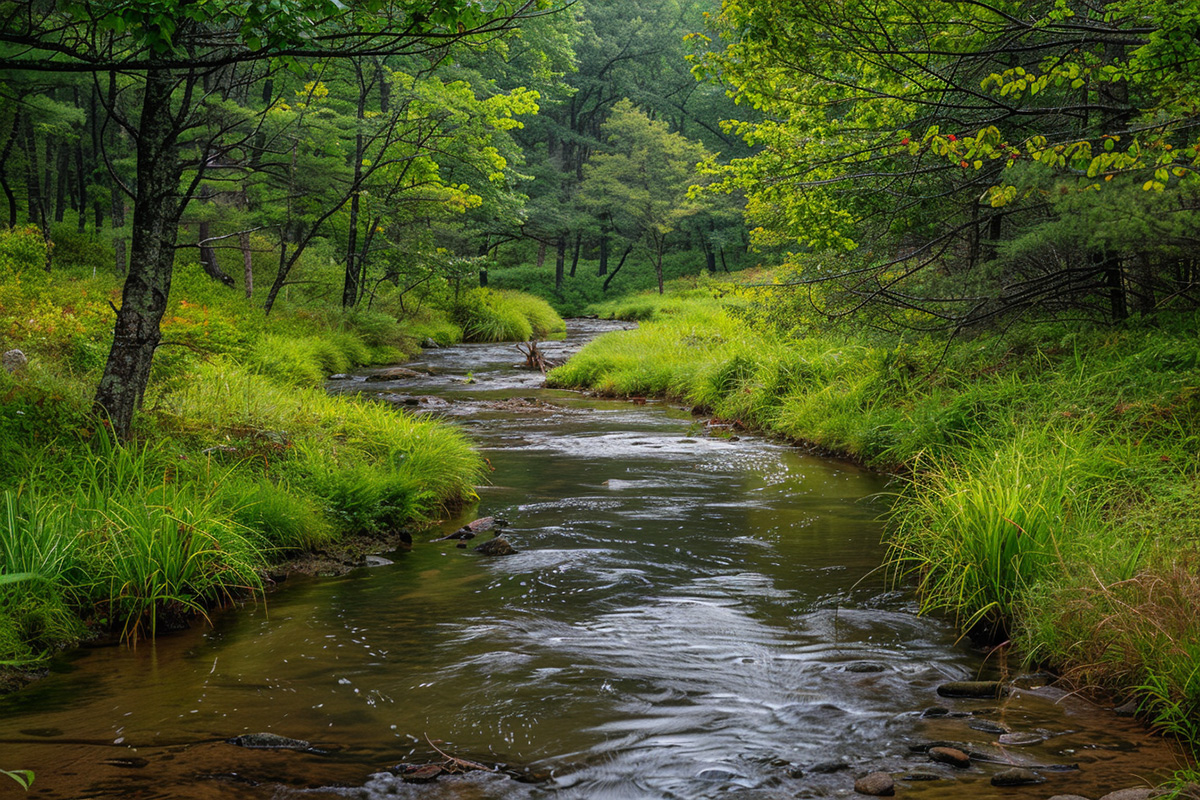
(8,192)
(603,270)
(247,263)
(560,261)
(575,257)
(156,212)
(620,264)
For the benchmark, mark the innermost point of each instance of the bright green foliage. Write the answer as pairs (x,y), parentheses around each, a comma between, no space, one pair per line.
(499,316)
(641,179)
(955,143)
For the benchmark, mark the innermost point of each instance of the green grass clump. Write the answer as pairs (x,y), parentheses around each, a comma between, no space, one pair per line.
(491,316)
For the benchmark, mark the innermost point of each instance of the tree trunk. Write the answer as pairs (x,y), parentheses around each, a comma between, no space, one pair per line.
(81,190)
(560,262)
(247,263)
(156,212)
(603,270)
(620,264)
(541,254)
(64,175)
(350,286)
(8,192)
(575,257)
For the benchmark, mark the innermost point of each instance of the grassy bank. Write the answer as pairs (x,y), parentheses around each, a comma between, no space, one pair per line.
(240,458)
(1050,492)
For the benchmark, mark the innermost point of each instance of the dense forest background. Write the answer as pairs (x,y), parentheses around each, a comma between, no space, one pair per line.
(209,207)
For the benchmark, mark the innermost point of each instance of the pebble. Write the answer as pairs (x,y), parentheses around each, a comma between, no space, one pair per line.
(951,756)
(877,784)
(1016,776)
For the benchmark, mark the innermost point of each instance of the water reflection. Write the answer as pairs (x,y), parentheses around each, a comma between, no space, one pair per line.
(688,617)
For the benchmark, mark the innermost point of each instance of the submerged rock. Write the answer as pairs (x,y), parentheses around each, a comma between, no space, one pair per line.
(423,774)
(393,374)
(987,726)
(718,774)
(268,741)
(1136,793)
(1016,776)
(950,755)
(981,689)
(877,784)
(377,561)
(496,547)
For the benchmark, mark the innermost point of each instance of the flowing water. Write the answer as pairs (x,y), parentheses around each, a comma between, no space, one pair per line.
(691,615)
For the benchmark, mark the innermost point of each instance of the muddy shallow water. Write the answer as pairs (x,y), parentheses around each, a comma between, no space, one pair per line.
(690,615)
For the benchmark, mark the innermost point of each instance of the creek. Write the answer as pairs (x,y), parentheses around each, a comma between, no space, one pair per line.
(691,614)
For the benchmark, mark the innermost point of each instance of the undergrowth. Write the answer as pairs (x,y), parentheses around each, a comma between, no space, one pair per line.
(239,457)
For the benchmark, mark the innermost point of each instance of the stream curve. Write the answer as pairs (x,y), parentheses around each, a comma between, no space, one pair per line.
(690,614)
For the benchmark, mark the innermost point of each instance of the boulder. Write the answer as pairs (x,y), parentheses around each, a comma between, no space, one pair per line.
(877,784)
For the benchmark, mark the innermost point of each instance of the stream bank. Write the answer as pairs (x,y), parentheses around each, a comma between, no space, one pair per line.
(687,616)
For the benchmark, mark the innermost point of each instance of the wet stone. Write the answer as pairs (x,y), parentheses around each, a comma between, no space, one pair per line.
(1034,680)
(877,784)
(268,741)
(987,726)
(496,547)
(423,774)
(395,373)
(1016,776)
(935,711)
(917,775)
(377,561)
(950,755)
(718,774)
(1135,793)
(979,689)
(828,767)
(1068,797)
(126,763)
(1128,709)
